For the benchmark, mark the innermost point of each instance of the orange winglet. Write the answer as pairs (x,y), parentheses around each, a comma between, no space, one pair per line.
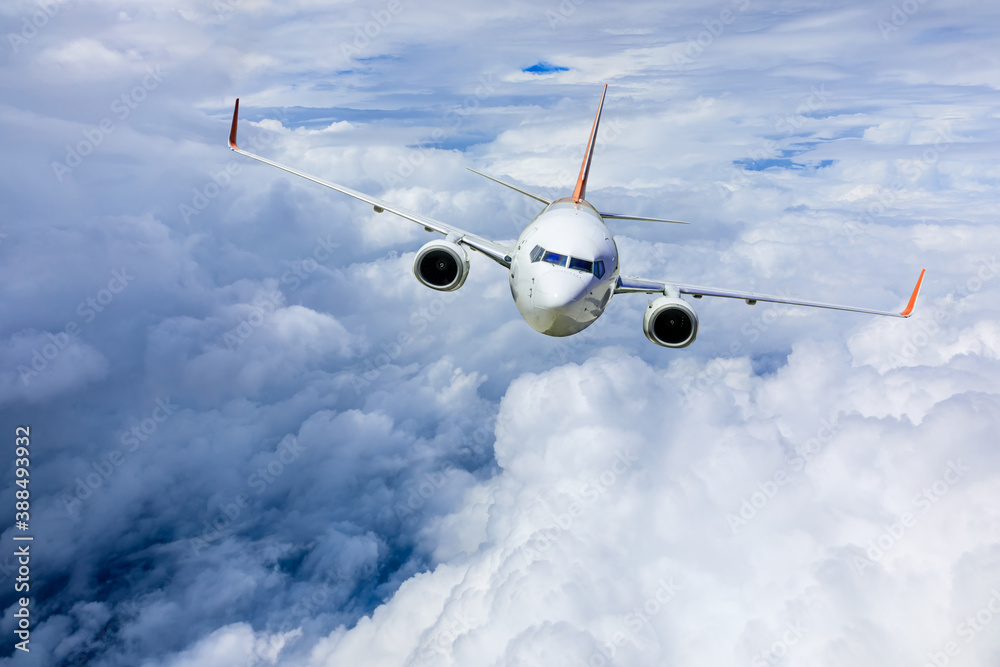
(581,182)
(232,132)
(913,297)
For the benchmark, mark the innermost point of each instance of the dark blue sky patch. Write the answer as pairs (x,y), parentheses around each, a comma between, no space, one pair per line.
(542,67)
(769,363)
(460,142)
(949,34)
(798,149)
(780,163)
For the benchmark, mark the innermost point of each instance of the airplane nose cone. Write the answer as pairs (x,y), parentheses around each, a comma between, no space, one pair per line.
(558,289)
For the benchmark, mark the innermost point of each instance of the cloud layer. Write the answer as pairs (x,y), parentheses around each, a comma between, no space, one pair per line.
(258,440)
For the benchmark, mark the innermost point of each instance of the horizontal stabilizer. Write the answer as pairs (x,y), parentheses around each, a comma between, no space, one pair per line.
(512,187)
(621,216)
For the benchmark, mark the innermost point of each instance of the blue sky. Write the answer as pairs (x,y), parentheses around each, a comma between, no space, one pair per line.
(258,440)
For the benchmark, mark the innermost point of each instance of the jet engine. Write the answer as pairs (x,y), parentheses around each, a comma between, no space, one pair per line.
(441,265)
(670,322)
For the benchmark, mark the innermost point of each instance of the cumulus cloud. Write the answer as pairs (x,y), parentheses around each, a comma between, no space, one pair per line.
(630,524)
(41,365)
(258,440)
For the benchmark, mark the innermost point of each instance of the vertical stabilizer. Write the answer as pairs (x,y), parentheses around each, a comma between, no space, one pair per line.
(581,183)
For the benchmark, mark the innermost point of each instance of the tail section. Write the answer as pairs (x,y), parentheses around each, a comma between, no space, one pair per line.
(581,183)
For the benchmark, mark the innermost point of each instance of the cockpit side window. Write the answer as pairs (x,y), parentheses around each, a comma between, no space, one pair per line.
(599,269)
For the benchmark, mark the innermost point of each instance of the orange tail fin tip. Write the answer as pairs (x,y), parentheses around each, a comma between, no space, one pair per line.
(581,183)
(232,132)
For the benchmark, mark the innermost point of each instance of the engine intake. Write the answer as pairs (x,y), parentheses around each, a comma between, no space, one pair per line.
(670,322)
(441,265)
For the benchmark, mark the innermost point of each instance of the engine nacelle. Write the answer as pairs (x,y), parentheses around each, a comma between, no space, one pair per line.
(670,322)
(441,265)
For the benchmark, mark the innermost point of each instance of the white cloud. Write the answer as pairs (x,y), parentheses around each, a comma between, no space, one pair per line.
(234,645)
(356,468)
(611,495)
(87,58)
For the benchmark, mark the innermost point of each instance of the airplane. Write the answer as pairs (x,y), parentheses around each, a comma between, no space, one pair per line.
(564,265)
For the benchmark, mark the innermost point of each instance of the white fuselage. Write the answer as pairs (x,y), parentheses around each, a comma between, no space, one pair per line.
(564,268)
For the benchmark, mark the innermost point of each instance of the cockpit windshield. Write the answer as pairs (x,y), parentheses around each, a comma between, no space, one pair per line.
(554,258)
(540,254)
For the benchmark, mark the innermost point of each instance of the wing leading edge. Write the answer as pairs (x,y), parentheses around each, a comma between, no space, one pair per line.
(498,252)
(639,285)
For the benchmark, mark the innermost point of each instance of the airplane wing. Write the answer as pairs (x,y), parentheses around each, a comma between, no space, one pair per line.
(638,285)
(498,252)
